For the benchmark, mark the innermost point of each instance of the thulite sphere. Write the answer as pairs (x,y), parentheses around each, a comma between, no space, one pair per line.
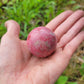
(41,42)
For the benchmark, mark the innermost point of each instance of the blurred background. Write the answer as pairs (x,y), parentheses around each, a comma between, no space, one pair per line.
(32,13)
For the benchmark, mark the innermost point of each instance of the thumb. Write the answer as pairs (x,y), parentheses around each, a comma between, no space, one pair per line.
(13,28)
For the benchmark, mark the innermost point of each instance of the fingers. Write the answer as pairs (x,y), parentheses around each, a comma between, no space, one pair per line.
(13,28)
(73,45)
(58,20)
(59,61)
(26,53)
(66,25)
(71,33)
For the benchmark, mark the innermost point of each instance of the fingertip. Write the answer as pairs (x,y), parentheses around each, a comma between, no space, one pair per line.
(11,22)
(13,28)
(80,11)
(71,47)
(82,34)
(69,11)
(53,24)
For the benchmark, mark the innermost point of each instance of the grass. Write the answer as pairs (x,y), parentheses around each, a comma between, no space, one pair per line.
(32,13)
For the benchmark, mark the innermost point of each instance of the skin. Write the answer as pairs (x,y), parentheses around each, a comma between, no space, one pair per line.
(19,66)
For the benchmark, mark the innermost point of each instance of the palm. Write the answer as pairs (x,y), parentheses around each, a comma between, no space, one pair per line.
(28,69)
(40,67)
(26,65)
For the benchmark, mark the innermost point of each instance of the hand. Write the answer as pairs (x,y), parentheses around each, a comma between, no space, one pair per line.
(18,66)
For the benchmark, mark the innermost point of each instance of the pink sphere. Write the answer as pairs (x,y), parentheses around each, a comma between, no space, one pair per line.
(41,42)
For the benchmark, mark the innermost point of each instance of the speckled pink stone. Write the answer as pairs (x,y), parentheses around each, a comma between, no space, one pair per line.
(41,42)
